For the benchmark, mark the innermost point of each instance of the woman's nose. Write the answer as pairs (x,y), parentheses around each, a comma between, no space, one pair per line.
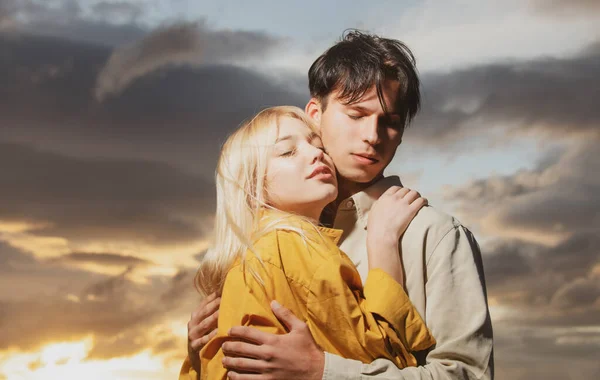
(317,154)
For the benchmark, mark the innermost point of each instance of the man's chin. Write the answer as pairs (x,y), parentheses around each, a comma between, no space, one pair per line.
(360,176)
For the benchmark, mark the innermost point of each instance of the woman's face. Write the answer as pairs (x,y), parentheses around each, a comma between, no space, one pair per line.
(300,176)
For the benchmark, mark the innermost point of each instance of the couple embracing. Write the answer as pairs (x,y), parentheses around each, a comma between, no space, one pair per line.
(322,267)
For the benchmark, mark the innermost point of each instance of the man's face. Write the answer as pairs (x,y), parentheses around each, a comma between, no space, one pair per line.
(360,138)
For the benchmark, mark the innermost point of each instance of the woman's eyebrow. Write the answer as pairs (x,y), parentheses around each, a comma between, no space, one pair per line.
(283,138)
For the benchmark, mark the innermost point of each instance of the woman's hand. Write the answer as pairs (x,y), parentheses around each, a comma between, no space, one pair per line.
(392,213)
(388,220)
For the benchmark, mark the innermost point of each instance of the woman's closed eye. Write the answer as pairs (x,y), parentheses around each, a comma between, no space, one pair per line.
(288,153)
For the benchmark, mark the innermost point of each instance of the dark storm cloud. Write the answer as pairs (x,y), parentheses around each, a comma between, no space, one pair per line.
(180,114)
(117,175)
(117,200)
(180,44)
(545,95)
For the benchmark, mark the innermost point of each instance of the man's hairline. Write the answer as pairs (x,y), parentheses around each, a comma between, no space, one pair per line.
(324,100)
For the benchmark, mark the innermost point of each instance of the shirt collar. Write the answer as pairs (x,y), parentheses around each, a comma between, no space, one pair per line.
(364,200)
(333,233)
(267,216)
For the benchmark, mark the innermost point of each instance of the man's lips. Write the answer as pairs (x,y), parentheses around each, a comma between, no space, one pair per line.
(321,170)
(365,158)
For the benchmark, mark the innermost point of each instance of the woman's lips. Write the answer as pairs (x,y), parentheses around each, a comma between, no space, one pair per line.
(321,172)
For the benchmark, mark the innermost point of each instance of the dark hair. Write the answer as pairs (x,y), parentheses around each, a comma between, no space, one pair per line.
(360,60)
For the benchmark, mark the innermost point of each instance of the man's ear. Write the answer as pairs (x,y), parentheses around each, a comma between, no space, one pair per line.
(313,110)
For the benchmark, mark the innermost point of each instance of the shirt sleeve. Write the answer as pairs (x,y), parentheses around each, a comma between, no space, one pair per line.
(387,298)
(187,372)
(457,314)
(349,324)
(246,302)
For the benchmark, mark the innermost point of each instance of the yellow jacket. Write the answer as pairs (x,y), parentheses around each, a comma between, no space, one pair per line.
(322,287)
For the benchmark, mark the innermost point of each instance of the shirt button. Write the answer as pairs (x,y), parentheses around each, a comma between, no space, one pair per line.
(350,204)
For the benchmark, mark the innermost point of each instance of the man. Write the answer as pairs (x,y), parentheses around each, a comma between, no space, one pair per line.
(365,91)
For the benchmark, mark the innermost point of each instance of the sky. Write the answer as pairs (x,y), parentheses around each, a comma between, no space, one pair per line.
(111,118)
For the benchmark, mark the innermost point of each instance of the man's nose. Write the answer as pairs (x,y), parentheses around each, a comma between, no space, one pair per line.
(370,131)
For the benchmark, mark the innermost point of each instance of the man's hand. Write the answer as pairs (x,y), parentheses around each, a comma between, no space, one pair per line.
(265,356)
(202,327)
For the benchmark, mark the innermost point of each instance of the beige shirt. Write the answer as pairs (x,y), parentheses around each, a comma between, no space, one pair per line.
(444,280)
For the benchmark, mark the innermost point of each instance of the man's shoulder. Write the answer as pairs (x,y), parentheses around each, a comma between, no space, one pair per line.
(430,226)
(430,217)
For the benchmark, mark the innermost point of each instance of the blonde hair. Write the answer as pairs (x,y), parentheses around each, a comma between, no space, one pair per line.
(242,195)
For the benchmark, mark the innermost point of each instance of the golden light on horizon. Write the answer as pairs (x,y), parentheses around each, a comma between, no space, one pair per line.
(67,360)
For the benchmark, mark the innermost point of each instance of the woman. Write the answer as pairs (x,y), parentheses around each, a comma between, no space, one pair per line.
(273,181)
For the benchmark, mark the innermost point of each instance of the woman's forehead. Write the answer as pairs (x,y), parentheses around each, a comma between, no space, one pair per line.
(292,127)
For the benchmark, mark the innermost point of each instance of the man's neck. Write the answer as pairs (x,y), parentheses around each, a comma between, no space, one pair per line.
(346,189)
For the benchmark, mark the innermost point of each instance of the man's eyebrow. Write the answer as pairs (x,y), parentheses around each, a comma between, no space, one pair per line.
(356,107)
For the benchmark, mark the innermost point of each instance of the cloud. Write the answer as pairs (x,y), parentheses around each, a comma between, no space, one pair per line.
(181,44)
(537,271)
(123,317)
(58,319)
(66,20)
(581,292)
(57,78)
(541,253)
(545,96)
(35,278)
(551,353)
(31,11)
(116,200)
(118,10)
(548,204)
(568,7)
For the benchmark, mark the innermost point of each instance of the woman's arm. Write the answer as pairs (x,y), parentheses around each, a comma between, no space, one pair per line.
(388,220)
(384,292)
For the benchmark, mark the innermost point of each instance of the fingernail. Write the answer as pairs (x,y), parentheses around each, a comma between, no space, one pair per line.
(275,304)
